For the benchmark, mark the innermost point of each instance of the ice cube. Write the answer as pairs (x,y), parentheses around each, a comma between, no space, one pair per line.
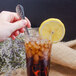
(36,58)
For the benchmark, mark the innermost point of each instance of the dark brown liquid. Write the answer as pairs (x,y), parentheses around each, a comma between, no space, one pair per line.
(38,58)
(39,69)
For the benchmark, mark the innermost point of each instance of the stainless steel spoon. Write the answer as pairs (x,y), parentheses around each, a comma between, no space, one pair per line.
(20,12)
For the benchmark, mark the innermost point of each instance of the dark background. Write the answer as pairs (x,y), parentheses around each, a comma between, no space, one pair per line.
(39,10)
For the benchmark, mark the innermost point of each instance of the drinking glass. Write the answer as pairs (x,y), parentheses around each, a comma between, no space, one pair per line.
(38,54)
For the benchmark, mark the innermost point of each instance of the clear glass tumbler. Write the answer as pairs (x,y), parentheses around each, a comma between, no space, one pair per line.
(38,52)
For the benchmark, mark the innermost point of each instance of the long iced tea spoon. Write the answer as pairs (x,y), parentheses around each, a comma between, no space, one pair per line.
(20,12)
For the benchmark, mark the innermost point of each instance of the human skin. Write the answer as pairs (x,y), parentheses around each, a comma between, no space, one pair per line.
(11,25)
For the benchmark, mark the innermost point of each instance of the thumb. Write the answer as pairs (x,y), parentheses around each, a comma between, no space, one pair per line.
(17,25)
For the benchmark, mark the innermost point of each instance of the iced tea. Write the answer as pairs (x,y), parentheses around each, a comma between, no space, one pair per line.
(38,56)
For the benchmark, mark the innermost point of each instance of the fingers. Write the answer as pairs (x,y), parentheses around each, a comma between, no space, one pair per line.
(13,37)
(28,22)
(16,17)
(10,16)
(13,17)
(16,33)
(22,30)
(18,25)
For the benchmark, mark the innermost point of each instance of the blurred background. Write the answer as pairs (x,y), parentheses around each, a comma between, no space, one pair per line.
(12,53)
(39,10)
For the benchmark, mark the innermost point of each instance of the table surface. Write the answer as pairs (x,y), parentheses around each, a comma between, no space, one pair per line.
(56,70)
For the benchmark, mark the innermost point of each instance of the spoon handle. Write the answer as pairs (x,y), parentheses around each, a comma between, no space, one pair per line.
(20,12)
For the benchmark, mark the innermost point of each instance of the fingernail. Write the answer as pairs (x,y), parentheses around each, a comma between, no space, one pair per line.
(23,29)
(29,25)
(24,22)
(17,33)
(13,37)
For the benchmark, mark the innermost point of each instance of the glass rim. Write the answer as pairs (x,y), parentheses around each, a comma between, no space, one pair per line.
(35,28)
(34,34)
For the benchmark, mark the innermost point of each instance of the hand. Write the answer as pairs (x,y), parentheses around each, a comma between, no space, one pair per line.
(11,25)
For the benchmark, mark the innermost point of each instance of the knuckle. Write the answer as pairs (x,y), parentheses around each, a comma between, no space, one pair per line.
(3,12)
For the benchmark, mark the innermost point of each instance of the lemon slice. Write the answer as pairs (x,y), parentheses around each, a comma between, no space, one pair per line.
(52,29)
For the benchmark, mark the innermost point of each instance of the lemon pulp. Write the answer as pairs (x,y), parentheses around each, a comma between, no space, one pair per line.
(52,29)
